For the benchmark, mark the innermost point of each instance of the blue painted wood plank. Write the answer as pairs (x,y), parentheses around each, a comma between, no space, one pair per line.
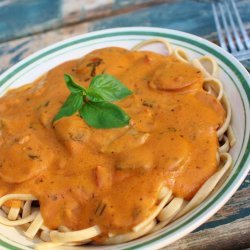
(190,16)
(13,53)
(20,18)
(244,213)
(119,4)
(25,17)
(238,207)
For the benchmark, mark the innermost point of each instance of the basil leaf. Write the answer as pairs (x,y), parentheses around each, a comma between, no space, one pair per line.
(104,115)
(72,86)
(108,87)
(93,96)
(72,104)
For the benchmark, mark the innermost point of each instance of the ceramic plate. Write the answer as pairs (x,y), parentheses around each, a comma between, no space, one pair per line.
(236,82)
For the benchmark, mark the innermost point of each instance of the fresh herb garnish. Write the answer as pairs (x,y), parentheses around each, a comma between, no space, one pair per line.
(94,103)
(94,64)
(107,88)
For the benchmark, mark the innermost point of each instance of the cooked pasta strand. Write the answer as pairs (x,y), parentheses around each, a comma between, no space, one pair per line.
(29,218)
(34,227)
(209,185)
(5,209)
(226,123)
(225,147)
(154,40)
(47,245)
(13,213)
(231,136)
(45,236)
(26,209)
(169,213)
(170,209)
(181,55)
(23,197)
(72,236)
(154,213)
(214,66)
(131,235)
(214,85)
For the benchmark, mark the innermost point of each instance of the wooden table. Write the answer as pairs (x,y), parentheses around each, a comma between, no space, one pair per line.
(28,26)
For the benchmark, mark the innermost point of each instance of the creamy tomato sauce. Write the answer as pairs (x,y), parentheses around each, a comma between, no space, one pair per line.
(84,176)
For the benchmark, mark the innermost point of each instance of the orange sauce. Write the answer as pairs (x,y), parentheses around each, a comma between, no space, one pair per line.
(110,177)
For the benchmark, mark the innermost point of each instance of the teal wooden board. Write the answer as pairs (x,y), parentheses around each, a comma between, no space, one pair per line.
(25,17)
(189,16)
(20,18)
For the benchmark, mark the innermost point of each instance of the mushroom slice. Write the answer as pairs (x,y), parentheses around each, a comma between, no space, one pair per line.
(131,139)
(175,76)
(73,133)
(142,158)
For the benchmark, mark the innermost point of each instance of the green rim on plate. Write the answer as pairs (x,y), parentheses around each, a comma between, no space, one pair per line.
(178,36)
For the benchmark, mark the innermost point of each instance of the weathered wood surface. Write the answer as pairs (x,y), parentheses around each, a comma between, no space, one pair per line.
(34,16)
(230,227)
(190,16)
(229,236)
(20,18)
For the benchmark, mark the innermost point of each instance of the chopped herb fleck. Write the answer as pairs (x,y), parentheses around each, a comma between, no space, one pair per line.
(76,137)
(147,104)
(172,129)
(34,157)
(100,208)
(94,64)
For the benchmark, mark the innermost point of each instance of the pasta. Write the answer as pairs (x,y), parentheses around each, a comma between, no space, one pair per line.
(168,208)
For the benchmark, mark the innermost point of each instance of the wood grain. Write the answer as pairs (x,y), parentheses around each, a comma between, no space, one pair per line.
(193,17)
(33,17)
(229,236)
(229,228)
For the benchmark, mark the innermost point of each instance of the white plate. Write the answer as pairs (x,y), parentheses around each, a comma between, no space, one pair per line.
(237,86)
